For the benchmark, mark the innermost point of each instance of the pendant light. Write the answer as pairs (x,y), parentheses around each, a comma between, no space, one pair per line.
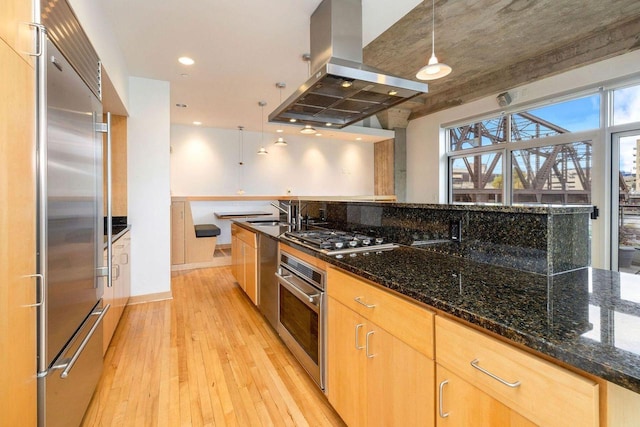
(240,160)
(433,70)
(308,130)
(262,150)
(280,141)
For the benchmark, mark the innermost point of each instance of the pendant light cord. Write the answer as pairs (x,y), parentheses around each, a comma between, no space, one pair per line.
(433,27)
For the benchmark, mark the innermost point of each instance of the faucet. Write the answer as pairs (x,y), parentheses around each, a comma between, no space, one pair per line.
(291,211)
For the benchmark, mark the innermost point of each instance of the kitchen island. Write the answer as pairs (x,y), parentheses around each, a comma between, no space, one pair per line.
(585,319)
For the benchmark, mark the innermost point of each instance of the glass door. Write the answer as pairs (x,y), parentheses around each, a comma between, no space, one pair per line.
(625,228)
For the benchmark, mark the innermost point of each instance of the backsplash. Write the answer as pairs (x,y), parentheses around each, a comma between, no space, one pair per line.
(538,239)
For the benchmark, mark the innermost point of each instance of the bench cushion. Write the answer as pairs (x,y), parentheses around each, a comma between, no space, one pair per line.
(207,230)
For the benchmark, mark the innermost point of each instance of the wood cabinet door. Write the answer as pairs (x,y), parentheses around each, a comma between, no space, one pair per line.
(251,273)
(460,404)
(18,241)
(14,16)
(346,364)
(108,321)
(177,233)
(400,382)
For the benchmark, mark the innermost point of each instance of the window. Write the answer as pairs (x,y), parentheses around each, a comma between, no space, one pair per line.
(530,150)
(626,105)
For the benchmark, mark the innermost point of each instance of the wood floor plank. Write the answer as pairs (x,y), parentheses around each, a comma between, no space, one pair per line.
(205,358)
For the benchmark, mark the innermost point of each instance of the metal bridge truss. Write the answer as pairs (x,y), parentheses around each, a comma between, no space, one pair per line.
(550,174)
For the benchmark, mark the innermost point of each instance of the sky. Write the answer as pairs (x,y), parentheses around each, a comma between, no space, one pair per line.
(627,110)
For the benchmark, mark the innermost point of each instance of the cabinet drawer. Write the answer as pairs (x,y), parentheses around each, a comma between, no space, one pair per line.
(408,322)
(245,235)
(539,390)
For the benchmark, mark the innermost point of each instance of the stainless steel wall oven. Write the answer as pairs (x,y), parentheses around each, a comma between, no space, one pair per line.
(301,313)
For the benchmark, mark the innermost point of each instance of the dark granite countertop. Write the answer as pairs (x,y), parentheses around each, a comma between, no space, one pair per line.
(588,318)
(117,232)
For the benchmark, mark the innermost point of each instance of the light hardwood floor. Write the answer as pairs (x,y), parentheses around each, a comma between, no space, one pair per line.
(207,357)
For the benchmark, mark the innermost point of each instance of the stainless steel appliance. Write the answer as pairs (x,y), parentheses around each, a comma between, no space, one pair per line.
(341,90)
(70,223)
(338,243)
(268,286)
(301,313)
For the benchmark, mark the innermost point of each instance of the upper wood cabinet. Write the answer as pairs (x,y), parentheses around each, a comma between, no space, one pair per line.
(118,166)
(17,228)
(14,29)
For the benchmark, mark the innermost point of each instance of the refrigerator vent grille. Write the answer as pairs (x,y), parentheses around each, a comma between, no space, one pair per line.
(65,32)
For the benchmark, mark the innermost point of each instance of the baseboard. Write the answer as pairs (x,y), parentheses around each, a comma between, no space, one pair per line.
(216,262)
(141,299)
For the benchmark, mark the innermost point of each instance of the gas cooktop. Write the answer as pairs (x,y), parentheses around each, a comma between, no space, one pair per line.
(335,242)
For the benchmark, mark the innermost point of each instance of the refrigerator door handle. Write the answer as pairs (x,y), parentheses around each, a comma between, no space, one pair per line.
(67,364)
(106,271)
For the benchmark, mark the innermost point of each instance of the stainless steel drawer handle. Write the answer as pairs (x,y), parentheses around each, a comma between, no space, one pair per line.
(359,301)
(358,326)
(369,355)
(475,362)
(441,399)
(68,364)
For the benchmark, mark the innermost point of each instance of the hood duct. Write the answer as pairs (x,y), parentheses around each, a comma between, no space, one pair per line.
(341,90)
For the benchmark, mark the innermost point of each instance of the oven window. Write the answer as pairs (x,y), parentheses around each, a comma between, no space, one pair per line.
(301,322)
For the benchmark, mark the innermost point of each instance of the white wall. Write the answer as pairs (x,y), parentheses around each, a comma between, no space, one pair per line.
(204,162)
(99,30)
(426,162)
(149,197)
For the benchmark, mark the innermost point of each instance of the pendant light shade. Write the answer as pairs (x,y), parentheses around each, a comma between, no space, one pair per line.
(308,130)
(433,70)
(262,150)
(280,142)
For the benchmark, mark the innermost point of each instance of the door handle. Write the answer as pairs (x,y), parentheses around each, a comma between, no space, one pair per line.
(359,301)
(369,355)
(40,281)
(358,326)
(441,399)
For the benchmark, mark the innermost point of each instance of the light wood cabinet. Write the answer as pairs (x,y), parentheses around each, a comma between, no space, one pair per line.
(17,225)
(462,405)
(375,377)
(539,391)
(118,294)
(177,233)
(244,258)
(14,29)
(118,166)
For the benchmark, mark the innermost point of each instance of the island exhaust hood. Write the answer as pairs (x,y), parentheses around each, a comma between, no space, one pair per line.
(341,90)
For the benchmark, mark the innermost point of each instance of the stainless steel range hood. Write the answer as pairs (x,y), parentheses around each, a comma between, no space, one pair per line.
(341,90)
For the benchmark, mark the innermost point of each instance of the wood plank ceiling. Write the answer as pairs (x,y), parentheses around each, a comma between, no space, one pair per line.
(496,45)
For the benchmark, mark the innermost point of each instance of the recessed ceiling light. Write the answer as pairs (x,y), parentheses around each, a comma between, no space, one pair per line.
(292,120)
(279,130)
(392,92)
(358,139)
(318,134)
(197,123)
(181,105)
(185,60)
(329,124)
(346,83)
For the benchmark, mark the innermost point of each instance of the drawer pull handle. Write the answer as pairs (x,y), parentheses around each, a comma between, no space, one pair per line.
(475,362)
(358,326)
(369,355)
(440,400)
(359,301)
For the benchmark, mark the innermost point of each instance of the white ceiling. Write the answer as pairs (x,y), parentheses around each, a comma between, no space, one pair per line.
(241,48)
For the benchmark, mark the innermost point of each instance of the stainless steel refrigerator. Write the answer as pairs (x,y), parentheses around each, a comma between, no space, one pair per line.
(70,229)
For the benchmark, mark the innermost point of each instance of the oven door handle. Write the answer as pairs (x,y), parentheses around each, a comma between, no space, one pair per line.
(312,300)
